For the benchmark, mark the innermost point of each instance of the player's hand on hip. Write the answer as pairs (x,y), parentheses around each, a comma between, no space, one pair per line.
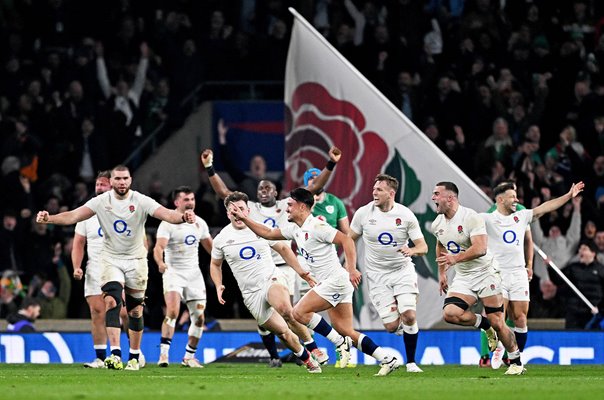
(335,154)
(42,217)
(405,250)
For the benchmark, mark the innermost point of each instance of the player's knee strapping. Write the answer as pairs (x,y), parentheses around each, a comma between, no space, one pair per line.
(456,301)
(196,312)
(112,316)
(132,301)
(492,310)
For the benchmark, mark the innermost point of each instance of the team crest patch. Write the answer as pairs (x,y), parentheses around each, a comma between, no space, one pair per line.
(460,229)
(306,236)
(330,209)
(398,222)
(492,286)
(516,220)
(131,208)
(321,218)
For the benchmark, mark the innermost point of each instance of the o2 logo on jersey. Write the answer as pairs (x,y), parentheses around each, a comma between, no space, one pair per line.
(190,240)
(100,232)
(386,239)
(120,226)
(509,237)
(453,247)
(270,222)
(248,252)
(306,255)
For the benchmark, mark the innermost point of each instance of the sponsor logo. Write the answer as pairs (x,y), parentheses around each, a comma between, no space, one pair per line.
(372,222)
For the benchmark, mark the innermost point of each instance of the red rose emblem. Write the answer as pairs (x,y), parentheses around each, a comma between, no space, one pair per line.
(460,229)
(131,208)
(316,121)
(398,222)
(516,219)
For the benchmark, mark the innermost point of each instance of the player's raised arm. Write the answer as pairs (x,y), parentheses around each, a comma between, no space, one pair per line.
(558,202)
(65,218)
(221,189)
(317,184)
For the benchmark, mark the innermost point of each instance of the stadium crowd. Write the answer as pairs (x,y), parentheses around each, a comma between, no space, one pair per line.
(507,89)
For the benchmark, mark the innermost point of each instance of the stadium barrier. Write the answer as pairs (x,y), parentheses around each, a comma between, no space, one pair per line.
(434,347)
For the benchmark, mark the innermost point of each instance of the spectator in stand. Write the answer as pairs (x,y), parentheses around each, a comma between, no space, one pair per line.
(23,320)
(246,182)
(123,103)
(11,293)
(587,274)
(559,248)
(11,238)
(53,296)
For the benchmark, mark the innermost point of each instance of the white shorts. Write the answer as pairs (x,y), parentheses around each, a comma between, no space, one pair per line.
(515,285)
(133,272)
(393,293)
(336,289)
(188,283)
(257,302)
(92,280)
(290,276)
(480,286)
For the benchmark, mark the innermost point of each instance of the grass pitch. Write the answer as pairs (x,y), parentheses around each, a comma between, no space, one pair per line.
(251,381)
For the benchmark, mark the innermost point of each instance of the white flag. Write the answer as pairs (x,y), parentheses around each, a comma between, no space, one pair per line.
(328,102)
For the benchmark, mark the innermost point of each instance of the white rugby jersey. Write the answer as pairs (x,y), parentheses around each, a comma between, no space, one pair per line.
(248,256)
(123,222)
(182,251)
(272,217)
(91,230)
(455,234)
(506,237)
(315,243)
(384,233)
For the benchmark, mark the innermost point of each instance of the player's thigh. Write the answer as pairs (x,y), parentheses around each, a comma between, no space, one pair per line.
(278,297)
(311,303)
(136,273)
(93,280)
(290,279)
(258,306)
(195,289)
(96,304)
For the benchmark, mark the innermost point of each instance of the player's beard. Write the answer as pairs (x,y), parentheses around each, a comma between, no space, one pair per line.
(121,192)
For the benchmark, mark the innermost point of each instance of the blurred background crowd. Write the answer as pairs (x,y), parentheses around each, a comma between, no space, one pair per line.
(507,89)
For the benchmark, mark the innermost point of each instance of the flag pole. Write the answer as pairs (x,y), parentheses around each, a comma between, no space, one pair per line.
(594,309)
